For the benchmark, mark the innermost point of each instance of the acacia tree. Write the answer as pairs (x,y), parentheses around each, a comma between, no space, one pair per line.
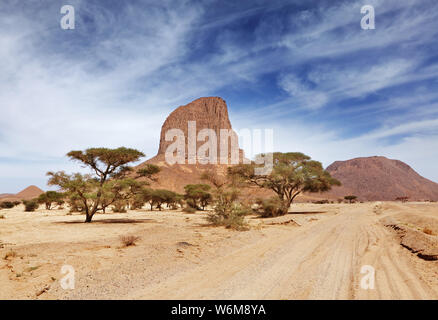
(350,198)
(49,198)
(198,195)
(105,164)
(292,173)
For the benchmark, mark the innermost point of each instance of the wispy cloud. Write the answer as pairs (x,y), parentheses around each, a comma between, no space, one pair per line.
(113,80)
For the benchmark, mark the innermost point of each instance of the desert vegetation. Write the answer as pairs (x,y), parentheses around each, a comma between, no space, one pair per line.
(198,196)
(9,204)
(228,211)
(106,185)
(128,241)
(350,198)
(292,174)
(31,205)
(51,198)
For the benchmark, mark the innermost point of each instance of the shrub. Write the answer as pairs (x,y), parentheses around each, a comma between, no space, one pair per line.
(350,198)
(30,205)
(10,254)
(7,205)
(119,207)
(428,231)
(189,209)
(272,207)
(321,202)
(231,217)
(2,216)
(128,241)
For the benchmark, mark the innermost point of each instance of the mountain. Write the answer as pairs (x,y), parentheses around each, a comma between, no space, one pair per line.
(380,178)
(26,194)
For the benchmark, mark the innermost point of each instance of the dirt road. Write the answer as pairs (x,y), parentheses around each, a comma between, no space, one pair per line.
(320,260)
(179,257)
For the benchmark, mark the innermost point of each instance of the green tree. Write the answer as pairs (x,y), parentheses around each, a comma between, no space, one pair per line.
(159,197)
(292,173)
(350,198)
(105,164)
(198,195)
(49,198)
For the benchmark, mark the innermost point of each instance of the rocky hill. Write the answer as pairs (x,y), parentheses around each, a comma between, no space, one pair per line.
(26,194)
(380,178)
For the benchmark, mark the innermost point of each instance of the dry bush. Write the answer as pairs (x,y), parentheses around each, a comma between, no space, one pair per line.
(428,231)
(7,205)
(272,207)
(189,210)
(30,205)
(10,254)
(2,216)
(119,207)
(230,216)
(128,241)
(325,201)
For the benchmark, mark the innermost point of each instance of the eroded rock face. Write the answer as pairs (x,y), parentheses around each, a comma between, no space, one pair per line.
(380,178)
(207,113)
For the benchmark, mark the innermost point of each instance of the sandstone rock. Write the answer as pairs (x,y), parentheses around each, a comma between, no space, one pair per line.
(207,113)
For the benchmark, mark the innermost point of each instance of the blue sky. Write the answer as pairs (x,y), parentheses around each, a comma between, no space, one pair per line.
(304,68)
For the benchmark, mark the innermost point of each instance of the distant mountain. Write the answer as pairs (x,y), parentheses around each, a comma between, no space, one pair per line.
(29,193)
(380,178)
(26,194)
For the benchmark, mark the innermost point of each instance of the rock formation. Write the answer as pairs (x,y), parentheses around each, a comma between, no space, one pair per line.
(380,178)
(208,113)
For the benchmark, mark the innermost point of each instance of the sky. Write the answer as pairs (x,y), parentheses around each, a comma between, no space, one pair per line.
(305,69)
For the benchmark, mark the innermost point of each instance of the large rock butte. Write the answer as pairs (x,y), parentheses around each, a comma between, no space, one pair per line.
(209,113)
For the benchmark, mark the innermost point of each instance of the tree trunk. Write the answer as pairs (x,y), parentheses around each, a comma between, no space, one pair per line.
(88,217)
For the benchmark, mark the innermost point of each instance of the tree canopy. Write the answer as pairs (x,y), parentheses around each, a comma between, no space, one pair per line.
(292,174)
(105,184)
(198,195)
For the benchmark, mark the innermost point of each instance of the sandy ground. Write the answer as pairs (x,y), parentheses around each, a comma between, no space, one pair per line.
(179,257)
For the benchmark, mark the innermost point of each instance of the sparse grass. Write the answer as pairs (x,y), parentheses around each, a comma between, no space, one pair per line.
(428,231)
(128,241)
(10,254)
(30,269)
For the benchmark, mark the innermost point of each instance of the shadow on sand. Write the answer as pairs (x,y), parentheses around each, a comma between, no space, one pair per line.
(306,212)
(108,221)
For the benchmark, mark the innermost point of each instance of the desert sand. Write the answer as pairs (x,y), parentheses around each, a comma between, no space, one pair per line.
(315,252)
